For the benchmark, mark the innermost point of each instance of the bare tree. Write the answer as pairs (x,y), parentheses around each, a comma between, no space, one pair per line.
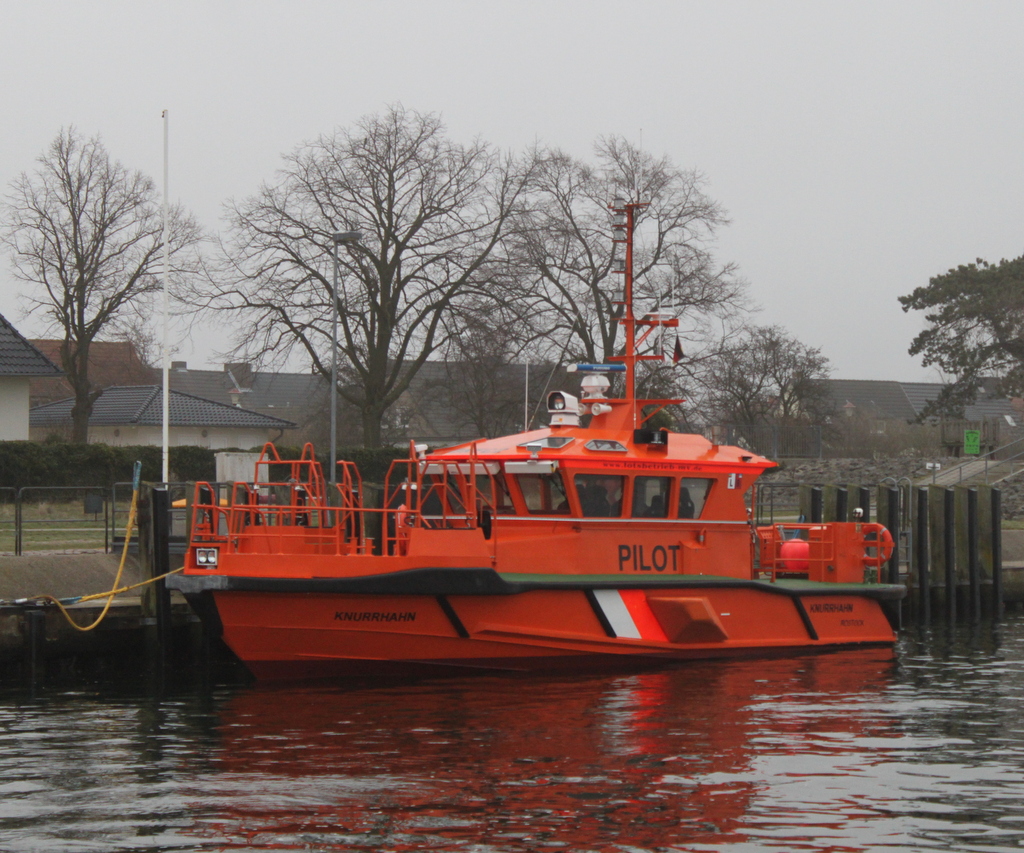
(86,233)
(482,388)
(769,377)
(433,214)
(568,251)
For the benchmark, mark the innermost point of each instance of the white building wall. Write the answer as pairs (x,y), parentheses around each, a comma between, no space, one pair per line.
(13,408)
(215,438)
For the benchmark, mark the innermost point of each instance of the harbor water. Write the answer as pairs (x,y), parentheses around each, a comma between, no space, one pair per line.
(920,748)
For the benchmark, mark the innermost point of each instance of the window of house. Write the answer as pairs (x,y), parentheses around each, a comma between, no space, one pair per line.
(693,493)
(650,497)
(600,494)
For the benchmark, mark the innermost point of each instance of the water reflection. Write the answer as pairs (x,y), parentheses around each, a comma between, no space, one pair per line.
(668,758)
(859,750)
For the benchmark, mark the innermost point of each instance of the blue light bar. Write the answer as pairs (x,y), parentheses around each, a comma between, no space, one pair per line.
(596,368)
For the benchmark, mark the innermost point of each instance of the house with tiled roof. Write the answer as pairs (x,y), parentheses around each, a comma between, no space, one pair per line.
(446,403)
(871,398)
(297,397)
(998,418)
(300,398)
(133,415)
(905,401)
(110,363)
(20,363)
(987,405)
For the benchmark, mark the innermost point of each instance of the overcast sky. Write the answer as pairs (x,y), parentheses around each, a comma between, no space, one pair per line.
(859,148)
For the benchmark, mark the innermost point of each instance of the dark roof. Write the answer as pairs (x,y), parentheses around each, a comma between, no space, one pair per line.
(876,398)
(143,405)
(987,405)
(255,390)
(904,401)
(19,358)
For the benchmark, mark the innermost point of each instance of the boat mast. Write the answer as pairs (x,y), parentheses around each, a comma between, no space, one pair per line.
(623,223)
(623,226)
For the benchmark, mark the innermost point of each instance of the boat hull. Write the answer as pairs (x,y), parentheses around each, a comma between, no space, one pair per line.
(541,624)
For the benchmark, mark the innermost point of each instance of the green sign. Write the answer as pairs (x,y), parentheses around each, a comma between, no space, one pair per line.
(972,442)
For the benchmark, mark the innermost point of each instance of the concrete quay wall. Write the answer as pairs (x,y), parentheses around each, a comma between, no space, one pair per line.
(65,576)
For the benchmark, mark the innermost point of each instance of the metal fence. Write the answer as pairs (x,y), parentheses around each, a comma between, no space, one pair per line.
(78,518)
(777,503)
(8,519)
(56,518)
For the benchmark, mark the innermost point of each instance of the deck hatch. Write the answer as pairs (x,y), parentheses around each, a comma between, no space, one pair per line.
(605,445)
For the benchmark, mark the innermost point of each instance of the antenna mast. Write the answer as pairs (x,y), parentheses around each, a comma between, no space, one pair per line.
(623,226)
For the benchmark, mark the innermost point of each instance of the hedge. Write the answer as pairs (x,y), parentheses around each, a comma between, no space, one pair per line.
(29,463)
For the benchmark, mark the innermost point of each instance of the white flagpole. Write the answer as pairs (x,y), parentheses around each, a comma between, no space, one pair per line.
(166,349)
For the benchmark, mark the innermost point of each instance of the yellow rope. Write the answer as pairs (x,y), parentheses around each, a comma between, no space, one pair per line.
(108,595)
(118,591)
(120,570)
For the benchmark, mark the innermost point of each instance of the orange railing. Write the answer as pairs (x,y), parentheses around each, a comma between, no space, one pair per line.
(300,513)
(840,552)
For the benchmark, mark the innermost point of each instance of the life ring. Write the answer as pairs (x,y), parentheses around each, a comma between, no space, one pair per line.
(883,545)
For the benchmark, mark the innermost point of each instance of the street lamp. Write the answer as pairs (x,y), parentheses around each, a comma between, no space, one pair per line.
(336,239)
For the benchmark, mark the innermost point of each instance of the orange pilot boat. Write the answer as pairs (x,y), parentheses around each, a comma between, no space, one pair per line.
(565,547)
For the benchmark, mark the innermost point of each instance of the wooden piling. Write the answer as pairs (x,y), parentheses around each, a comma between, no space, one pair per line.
(161,563)
(973,558)
(817,505)
(936,543)
(864,502)
(962,547)
(35,643)
(949,550)
(889,510)
(921,553)
(842,511)
(144,526)
(996,510)
(986,562)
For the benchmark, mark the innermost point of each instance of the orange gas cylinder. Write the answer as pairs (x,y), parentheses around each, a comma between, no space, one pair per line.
(794,554)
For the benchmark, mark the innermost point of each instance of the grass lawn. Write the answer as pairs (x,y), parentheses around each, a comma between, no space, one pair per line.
(55,526)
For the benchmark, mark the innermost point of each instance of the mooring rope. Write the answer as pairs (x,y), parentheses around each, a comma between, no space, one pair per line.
(64,603)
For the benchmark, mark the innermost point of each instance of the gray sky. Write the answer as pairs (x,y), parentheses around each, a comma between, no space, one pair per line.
(859,148)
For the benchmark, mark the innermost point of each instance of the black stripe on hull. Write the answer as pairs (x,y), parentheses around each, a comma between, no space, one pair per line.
(453,617)
(600,614)
(805,618)
(485,581)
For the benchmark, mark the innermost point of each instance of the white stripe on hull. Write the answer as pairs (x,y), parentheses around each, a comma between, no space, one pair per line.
(617,614)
